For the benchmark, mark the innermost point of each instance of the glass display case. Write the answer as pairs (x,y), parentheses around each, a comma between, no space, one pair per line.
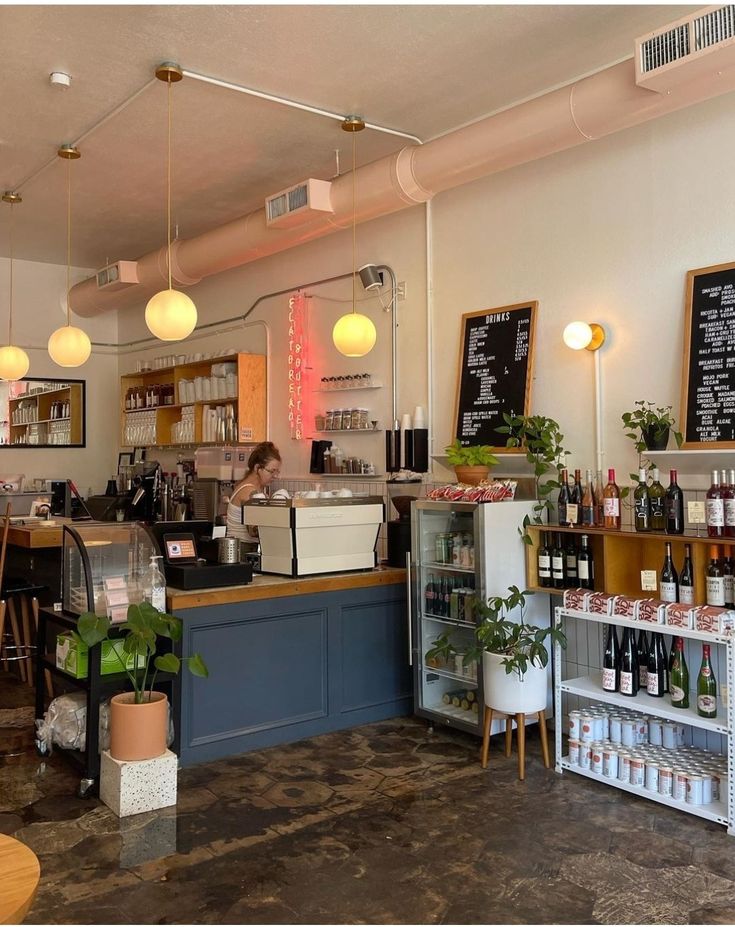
(103,565)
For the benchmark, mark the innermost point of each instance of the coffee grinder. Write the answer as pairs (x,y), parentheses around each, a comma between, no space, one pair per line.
(401,493)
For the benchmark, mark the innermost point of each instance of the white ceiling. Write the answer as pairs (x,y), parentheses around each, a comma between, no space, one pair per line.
(421,69)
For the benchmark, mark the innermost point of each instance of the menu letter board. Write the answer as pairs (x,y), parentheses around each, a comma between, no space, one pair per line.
(495,365)
(708,377)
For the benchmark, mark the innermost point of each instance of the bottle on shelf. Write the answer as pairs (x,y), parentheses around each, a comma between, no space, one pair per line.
(599,494)
(715,508)
(728,570)
(564,498)
(669,582)
(706,687)
(154,585)
(429,595)
(587,514)
(642,502)
(611,661)
(557,562)
(672,656)
(629,674)
(574,511)
(642,659)
(730,506)
(679,678)
(657,496)
(715,579)
(658,672)
(570,562)
(686,578)
(544,563)
(611,502)
(585,564)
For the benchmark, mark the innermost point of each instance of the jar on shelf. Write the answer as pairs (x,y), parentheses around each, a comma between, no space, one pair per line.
(346,419)
(363,419)
(355,416)
(320,421)
(337,420)
(329,420)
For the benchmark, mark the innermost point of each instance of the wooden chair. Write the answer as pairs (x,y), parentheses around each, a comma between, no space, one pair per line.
(20,872)
(487,721)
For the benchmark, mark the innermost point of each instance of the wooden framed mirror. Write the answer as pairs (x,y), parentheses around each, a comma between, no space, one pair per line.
(40,412)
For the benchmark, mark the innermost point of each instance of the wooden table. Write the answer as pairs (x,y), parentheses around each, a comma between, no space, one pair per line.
(19,875)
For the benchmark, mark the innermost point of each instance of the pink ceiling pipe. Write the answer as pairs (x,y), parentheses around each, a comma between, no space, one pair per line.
(599,105)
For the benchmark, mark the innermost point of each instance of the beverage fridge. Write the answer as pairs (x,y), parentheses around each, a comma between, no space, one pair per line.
(459,551)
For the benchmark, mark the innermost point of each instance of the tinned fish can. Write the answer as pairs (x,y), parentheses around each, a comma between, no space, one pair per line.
(624,767)
(637,771)
(668,735)
(574,752)
(695,790)
(652,775)
(610,762)
(679,789)
(596,759)
(585,755)
(655,732)
(574,725)
(615,729)
(586,728)
(665,780)
(628,732)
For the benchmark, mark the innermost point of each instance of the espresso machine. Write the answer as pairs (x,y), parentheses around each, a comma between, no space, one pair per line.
(402,494)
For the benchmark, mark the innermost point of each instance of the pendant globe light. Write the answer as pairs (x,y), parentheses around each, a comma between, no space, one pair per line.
(170,315)
(14,362)
(69,346)
(354,334)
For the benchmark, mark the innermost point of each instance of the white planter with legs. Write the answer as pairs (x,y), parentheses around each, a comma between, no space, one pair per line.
(507,692)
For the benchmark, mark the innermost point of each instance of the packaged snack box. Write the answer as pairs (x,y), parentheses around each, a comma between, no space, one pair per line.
(652,611)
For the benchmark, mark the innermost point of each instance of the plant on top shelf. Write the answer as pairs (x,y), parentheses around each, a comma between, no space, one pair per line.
(541,439)
(472,463)
(648,426)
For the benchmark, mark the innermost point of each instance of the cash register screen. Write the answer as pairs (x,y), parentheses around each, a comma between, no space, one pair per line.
(180,549)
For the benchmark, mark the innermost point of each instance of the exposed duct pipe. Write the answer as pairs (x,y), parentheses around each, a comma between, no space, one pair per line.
(589,109)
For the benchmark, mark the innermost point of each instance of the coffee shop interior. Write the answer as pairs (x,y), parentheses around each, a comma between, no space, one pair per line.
(234,251)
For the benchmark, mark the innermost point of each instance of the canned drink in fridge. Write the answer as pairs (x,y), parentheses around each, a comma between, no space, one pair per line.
(596,758)
(610,762)
(665,780)
(637,771)
(586,728)
(628,732)
(585,755)
(624,767)
(615,729)
(439,548)
(652,775)
(668,735)
(655,732)
(574,725)
(679,788)
(456,549)
(694,789)
(574,752)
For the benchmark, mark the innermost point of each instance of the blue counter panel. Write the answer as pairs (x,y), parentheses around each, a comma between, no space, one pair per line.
(288,668)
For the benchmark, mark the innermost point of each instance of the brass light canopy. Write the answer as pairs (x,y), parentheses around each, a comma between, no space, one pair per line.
(14,362)
(169,72)
(10,196)
(68,152)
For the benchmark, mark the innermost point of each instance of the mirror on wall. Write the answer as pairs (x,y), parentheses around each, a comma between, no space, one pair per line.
(42,413)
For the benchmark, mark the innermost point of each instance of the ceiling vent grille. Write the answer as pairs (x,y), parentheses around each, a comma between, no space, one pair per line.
(298,204)
(117,276)
(685,49)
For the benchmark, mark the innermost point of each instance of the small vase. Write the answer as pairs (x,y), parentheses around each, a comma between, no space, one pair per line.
(471,475)
(655,438)
(138,731)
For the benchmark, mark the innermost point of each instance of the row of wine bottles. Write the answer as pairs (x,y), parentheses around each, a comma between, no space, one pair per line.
(564,565)
(628,667)
(720,581)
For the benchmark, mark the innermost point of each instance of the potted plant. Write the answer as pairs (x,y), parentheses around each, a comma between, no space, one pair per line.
(139,719)
(471,464)
(648,426)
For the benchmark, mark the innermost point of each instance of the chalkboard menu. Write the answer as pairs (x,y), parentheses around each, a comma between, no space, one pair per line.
(495,365)
(708,378)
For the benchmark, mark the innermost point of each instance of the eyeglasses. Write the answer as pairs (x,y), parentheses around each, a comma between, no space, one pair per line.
(272,472)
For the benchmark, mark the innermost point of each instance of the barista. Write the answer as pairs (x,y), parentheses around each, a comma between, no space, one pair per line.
(264,465)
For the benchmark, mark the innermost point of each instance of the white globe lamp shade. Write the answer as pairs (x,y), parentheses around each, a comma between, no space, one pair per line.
(577,335)
(354,335)
(14,363)
(69,346)
(170,315)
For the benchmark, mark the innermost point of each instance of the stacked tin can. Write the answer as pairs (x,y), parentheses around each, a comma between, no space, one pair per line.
(645,752)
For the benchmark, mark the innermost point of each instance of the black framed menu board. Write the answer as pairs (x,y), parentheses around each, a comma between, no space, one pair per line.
(708,377)
(495,368)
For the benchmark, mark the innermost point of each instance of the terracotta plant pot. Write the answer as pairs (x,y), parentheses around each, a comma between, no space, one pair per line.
(509,693)
(138,732)
(471,475)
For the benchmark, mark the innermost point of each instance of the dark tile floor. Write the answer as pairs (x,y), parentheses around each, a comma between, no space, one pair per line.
(382,824)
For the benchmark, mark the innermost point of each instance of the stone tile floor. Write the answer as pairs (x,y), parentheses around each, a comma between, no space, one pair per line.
(382,824)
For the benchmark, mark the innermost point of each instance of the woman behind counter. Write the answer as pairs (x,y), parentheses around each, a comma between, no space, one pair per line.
(264,465)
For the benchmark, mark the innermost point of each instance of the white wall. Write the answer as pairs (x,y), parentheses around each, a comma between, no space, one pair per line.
(38,311)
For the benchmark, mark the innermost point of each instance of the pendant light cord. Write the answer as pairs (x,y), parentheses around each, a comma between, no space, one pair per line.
(10,313)
(68,242)
(168,190)
(354,224)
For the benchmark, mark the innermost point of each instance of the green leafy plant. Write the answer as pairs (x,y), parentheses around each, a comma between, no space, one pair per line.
(541,438)
(521,645)
(477,455)
(649,420)
(141,631)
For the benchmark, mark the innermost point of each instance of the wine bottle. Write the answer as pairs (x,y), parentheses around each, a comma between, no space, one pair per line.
(585,564)
(657,496)
(574,510)
(564,498)
(611,661)
(730,507)
(679,678)
(429,600)
(629,676)
(672,656)
(587,518)
(669,582)
(715,579)
(642,659)
(642,503)
(728,569)
(706,687)
(446,606)
(715,508)
(557,563)
(611,502)
(570,562)
(599,494)
(686,578)
(544,563)
(674,505)
(657,680)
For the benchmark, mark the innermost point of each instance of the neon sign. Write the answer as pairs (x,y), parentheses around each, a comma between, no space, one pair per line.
(296,365)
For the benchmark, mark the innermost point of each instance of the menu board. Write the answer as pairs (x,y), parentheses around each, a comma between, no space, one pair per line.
(495,365)
(708,378)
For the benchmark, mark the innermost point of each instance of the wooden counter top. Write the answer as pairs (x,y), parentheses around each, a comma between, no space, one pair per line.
(38,534)
(271,587)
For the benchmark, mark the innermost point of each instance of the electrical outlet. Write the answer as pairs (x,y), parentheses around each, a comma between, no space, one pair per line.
(401,289)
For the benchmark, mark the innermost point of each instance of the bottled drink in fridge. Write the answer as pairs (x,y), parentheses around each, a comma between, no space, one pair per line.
(544,563)
(429,595)
(686,578)
(611,661)
(629,675)
(642,503)
(611,502)
(642,659)
(715,579)
(657,679)
(728,574)
(587,518)
(679,678)
(658,508)
(557,563)
(706,687)
(570,561)
(715,508)
(674,505)
(669,583)
(730,506)
(564,498)
(585,564)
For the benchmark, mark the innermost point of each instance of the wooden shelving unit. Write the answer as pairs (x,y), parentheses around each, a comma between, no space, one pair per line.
(73,394)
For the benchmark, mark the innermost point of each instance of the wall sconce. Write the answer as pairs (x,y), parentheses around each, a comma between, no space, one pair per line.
(590,336)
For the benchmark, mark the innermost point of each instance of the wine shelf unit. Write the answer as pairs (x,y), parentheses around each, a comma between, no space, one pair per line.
(587,687)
